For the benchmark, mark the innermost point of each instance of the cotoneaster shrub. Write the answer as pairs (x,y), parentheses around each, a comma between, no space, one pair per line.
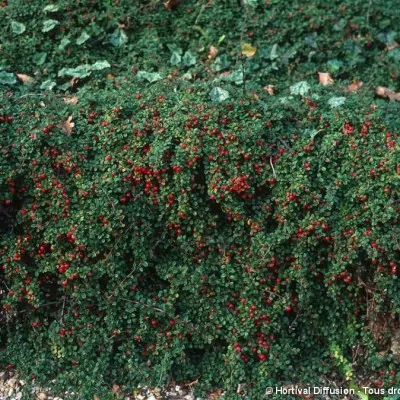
(248,241)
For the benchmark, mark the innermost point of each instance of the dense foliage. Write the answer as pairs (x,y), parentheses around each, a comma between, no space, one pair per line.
(199,228)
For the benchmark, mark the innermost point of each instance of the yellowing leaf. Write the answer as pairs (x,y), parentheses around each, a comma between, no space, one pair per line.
(248,50)
(325,78)
(386,92)
(354,86)
(25,78)
(67,125)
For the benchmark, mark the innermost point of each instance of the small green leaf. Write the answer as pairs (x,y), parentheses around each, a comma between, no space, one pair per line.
(49,24)
(17,28)
(189,59)
(51,8)
(83,38)
(218,94)
(118,38)
(7,78)
(39,58)
(149,76)
(336,101)
(221,39)
(300,88)
(48,85)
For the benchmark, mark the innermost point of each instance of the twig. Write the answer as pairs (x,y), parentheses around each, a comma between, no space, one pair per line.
(272,166)
(123,280)
(144,305)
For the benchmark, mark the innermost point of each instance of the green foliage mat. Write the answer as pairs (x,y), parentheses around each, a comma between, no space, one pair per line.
(162,215)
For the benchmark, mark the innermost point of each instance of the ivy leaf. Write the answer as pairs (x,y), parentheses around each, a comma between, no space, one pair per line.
(251,3)
(17,28)
(311,40)
(149,76)
(175,58)
(220,63)
(340,25)
(274,52)
(118,38)
(189,59)
(81,71)
(64,42)
(218,94)
(174,48)
(310,132)
(334,65)
(39,58)
(48,85)
(7,78)
(336,101)
(49,24)
(248,50)
(51,8)
(82,39)
(235,76)
(99,65)
(300,88)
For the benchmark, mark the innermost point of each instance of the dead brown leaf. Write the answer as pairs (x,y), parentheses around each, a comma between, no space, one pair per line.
(325,78)
(25,78)
(270,89)
(212,53)
(393,46)
(386,92)
(67,125)
(116,388)
(73,82)
(171,4)
(354,86)
(71,100)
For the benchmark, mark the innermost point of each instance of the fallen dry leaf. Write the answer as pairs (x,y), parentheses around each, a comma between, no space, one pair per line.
(71,100)
(110,76)
(392,46)
(386,92)
(68,125)
(116,388)
(325,78)
(270,89)
(354,86)
(212,53)
(73,82)
(25,78)
(171,4)
(248,50)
